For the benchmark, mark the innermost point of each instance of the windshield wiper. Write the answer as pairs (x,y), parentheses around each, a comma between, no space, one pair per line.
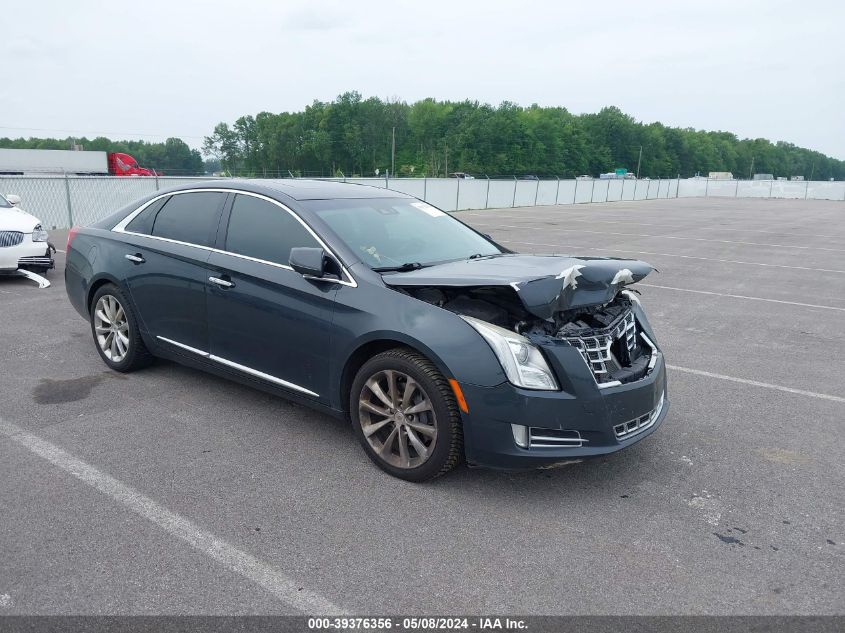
(479,255)
(400,269)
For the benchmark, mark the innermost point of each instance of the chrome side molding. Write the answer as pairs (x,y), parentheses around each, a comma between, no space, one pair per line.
(239,367)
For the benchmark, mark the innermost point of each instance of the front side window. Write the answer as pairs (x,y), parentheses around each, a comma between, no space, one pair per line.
(263,230)
(391,232)
(4,204)
(190,217)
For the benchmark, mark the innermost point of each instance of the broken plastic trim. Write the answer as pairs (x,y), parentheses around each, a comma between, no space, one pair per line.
(41,281)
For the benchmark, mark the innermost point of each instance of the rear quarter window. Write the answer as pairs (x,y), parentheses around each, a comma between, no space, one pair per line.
(143,222)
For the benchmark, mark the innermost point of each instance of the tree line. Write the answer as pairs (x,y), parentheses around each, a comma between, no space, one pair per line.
(172,157)
(354,136)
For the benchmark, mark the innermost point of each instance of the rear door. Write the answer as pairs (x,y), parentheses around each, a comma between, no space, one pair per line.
(265,319)
(167,248)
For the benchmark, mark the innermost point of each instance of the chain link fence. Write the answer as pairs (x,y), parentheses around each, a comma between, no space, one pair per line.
(65,201)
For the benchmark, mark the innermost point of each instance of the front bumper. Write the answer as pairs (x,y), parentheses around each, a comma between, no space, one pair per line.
(27,254)
(580,406)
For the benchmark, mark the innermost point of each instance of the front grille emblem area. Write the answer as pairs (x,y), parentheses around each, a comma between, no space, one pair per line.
(10,238)
(596,349)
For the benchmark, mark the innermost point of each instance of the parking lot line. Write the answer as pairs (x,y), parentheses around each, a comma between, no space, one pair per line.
(756,383)
(672,237)
(236,560)
(708,259)
(732,296)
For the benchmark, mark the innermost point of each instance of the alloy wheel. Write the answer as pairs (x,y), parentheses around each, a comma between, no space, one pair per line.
(397,418)
(111,328)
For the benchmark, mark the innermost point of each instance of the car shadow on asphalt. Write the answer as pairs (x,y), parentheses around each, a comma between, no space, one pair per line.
(617,474)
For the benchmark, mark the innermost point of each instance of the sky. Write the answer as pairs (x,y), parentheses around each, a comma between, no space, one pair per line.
(150,69)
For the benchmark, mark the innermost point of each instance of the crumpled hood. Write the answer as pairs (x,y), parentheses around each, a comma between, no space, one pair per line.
(14,220)
(545,284)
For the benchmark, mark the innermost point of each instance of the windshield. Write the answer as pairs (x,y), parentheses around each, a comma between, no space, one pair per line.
(4,204)
(388,232)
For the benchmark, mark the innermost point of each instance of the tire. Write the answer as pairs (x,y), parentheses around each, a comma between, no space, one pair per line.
(414,435)
(112,315)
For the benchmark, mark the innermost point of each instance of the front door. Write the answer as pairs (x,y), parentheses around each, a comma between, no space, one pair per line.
(265,319)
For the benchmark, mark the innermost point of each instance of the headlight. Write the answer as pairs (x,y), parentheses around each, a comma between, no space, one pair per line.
(523,363)
(39,234)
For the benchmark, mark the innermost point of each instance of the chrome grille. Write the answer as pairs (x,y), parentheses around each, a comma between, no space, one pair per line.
(553,438)
(596,348)
(638,425)
(10,238)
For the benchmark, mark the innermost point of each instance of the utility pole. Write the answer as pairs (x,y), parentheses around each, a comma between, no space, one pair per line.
(639,160)
(446,145)
(813,170)
(393,154)
(751,170)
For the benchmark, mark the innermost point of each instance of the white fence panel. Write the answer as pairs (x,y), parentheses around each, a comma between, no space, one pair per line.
(788,189)
(693,187)
(614,190)
(600,190)
(826,190)
(721,188)
(566,193)
(412,186)
(526,193)
(547,192)
(584,190)
(442,193)
(501,193)
(94,197)
(754,189)
(473,194)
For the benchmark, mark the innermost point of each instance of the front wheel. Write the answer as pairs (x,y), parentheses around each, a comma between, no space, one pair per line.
(405,415)
(115,331)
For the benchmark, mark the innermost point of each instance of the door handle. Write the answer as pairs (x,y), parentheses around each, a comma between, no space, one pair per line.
(135,259)
(223,283)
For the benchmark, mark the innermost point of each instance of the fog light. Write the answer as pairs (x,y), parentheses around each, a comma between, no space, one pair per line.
(520,435)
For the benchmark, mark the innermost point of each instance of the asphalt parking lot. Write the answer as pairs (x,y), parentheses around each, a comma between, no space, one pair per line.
(255,505)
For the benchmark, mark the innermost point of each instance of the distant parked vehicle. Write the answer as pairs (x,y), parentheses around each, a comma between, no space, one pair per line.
(462,175)
(529,177)
(764,177)
(721,175)
(584,177)
(59,161)
(23,241)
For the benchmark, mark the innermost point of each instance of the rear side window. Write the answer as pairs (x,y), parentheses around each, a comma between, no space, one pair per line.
(263,230)
(190,217)
(143,222)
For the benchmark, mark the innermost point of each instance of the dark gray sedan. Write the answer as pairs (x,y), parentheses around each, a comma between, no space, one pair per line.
(438,344)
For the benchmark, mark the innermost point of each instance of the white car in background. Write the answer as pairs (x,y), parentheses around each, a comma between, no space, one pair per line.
(23,241)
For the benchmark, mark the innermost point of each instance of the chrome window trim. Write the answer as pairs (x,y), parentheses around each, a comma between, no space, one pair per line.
(120,227)
(239,367)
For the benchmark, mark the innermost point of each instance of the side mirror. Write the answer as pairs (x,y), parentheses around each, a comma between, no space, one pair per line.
(14,200)
(308,261)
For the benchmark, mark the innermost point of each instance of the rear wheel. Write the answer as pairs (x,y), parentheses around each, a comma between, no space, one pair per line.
(115,331)
(405,415)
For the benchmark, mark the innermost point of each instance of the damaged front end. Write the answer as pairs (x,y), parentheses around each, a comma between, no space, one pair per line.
(586,305)
(584,374)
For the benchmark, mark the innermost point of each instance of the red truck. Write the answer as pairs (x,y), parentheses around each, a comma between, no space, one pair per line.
(58,161)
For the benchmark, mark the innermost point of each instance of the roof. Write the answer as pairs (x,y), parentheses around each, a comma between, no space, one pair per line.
(306,189)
